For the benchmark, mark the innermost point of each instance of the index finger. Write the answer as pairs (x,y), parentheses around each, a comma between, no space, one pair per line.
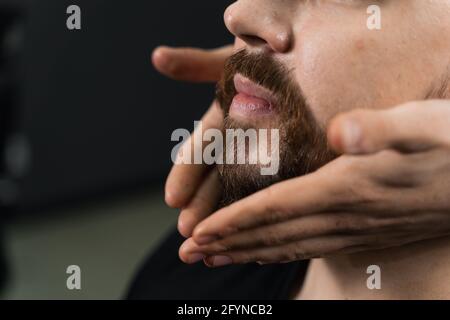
(191,64)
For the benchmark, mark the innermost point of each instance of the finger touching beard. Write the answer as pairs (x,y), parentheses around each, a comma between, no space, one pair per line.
(302,144)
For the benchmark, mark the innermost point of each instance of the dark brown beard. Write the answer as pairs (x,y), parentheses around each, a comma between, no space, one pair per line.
(303,144)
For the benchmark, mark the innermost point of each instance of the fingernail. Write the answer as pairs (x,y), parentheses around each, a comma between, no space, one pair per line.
(218,261)
(196,257)
(352,136)
(202,240)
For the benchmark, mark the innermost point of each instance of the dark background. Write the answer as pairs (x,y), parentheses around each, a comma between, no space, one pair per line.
(85,128)
(92,116)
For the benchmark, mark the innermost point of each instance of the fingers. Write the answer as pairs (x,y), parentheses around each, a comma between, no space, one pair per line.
(355,235)
(317,225)
(355,186)
(365,197)
(187,254)
(190,64)
(277,203)
(184,179)
(202,204)
(411,127)
(294,251)
(198,65)
(314,226)
(385,184)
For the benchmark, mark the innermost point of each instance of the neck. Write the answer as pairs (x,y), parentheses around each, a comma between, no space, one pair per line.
(415,271)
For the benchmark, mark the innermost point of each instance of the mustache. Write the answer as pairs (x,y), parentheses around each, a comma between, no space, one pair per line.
(264,70)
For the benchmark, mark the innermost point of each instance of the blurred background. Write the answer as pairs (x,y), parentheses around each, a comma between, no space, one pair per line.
(85,126)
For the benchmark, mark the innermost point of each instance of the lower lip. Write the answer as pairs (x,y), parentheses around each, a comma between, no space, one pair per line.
(247,106)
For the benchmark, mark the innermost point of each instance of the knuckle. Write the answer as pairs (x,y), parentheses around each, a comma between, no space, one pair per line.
(399,170)
(371,195)
(271,237)
(222,246)
(272,217)
(368,193)
(343,188)
(202,199)
(356,194)
(229,229)
(353,225)
(272,212)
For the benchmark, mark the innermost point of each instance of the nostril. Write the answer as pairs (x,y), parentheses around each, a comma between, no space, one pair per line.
(253,40)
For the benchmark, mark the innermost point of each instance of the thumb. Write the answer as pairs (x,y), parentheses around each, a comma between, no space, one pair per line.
(191,64)
(412,127)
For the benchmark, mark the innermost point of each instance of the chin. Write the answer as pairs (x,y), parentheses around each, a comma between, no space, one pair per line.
(240,181)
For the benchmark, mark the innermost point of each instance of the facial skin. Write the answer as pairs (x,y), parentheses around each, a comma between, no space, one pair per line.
(328,55)
(337,61)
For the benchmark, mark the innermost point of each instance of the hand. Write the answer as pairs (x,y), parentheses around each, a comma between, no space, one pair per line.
(194,188)
(391,187)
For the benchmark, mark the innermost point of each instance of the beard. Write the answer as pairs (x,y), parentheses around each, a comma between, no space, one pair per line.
(303,146)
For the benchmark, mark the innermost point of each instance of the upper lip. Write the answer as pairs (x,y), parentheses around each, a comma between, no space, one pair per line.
(248,87)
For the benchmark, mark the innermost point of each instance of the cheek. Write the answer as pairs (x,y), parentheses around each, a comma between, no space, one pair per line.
(350,67)
(334,75)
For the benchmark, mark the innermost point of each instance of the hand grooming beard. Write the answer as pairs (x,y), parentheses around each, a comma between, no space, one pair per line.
(302,143)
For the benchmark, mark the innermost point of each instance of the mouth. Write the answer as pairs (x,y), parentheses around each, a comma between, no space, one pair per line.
(251,100)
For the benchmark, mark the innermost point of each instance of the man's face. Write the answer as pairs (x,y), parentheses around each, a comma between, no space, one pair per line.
(326,53)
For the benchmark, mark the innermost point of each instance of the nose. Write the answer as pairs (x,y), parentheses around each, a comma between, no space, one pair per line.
(260,24)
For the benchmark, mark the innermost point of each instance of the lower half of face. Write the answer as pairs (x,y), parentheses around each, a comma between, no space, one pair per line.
(336,64)
(270,132)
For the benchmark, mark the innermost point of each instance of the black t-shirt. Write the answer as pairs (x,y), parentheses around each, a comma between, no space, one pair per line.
(164,277)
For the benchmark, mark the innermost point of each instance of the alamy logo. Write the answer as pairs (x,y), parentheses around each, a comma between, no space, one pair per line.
(74,19)
(74,280)
(252,146)
(374,281)
(374,20)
